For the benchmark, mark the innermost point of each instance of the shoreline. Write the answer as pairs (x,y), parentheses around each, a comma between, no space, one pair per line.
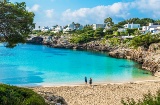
(101,94)
(81,83)
(101,83)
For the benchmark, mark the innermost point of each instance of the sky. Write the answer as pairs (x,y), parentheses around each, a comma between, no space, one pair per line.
(63,12)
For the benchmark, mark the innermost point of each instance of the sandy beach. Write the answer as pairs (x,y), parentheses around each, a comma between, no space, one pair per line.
(102,94)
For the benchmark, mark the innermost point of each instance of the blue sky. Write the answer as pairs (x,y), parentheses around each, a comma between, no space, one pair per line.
(63,12)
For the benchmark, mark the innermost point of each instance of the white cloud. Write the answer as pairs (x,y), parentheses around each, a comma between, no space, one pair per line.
(151,7)
(34,8)
(49,13)
(117,11)
(96,14)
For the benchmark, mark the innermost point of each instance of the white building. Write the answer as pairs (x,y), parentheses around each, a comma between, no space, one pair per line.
(96,26)
(132,26)
(57,29)
(80,27)
(45,29)
(121,30)
(151,28)
(70,27)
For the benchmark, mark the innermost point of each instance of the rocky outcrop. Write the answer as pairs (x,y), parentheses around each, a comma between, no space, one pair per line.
(35,40)
(51,99)
(149,58)
(93,45)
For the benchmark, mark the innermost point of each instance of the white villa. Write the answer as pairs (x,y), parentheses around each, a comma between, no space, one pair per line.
(80,27)
(128,26)
(151,28)
(71,27)
(104,26)
(57,29)
(132,26)
(45,29)
(96,26)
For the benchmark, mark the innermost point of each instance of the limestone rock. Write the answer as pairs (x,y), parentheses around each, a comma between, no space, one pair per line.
(150,59)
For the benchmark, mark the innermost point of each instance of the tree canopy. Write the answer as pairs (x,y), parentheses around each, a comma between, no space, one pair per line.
(142,22)
(109,21)
(16,23)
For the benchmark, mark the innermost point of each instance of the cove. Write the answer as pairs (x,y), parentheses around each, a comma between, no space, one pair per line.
(36,65)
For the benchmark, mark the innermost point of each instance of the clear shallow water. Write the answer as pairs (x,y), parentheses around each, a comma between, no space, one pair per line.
(32,65)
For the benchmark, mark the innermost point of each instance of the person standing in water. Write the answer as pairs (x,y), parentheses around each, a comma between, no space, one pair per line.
(85,80)
(90,81)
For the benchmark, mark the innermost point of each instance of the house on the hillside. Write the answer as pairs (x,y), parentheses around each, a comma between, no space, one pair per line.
(132,26)
(104,26)
(151,28)
(57,29)
(96,26)
(45,29)
(71,27)
(128,26)
(157,30)
(80,27)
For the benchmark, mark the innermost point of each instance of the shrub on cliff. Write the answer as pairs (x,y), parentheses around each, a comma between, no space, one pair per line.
(145,40)
(84,37)
(12,95)
(114,41)
(148,99)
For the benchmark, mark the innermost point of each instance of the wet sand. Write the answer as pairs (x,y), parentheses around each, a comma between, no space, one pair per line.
(102,94)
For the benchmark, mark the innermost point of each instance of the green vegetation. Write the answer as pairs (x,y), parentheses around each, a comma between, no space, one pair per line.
(15,23)
(86,35)
(142,22)
(145,40)
(109,21)
(131,31)
(148,99)
(12,95)
(114,41)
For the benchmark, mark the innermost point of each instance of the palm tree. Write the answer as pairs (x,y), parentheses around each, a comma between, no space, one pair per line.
(39,27)
(158,21)
(109,21)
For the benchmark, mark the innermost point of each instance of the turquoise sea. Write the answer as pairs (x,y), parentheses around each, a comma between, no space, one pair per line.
(32,65)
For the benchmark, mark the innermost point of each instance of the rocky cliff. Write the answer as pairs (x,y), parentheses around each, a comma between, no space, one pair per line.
(149,58)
